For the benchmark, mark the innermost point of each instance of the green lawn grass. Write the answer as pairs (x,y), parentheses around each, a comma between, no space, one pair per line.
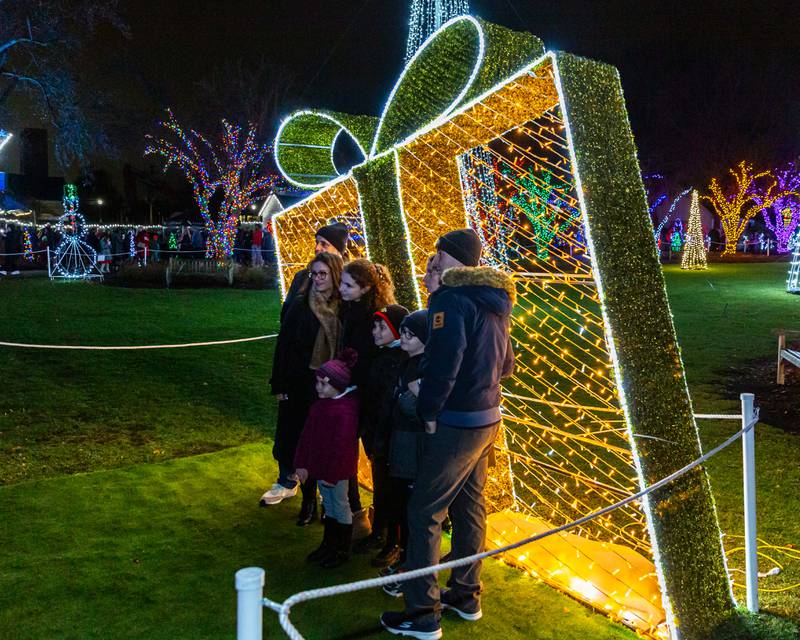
(725,318)
(69,411)
(146,545)
(150,551)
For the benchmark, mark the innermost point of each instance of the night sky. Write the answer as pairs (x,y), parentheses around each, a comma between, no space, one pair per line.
(707,83)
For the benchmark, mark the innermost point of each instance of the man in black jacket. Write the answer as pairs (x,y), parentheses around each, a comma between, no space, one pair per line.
(467,354)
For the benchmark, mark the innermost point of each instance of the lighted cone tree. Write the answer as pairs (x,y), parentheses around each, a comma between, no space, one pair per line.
(694,252)
(235,166)
(752,193)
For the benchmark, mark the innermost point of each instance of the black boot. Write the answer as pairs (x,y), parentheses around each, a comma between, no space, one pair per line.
(327,546)
(308,512)
(341,552)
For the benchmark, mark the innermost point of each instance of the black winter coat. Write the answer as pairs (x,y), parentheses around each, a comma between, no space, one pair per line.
(408,431)
(377,400)
(295,344)
(357,320)
(300,278)
(468,350)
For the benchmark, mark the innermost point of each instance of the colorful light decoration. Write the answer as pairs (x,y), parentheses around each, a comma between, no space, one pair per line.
(484,212)
(745,202)
(173,241)
(793,281)
(572,427)
(544,204)
(676,237)
(27,245)
(694,253)
(427,16)
(783,217)
(131,245)
(235,167)
(74,258)
(660,227)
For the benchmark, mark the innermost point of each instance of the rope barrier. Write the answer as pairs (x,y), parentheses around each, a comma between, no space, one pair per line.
(284,608)
(22,253)
(134,347)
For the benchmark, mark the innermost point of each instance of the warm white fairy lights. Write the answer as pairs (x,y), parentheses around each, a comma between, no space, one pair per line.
(694,251)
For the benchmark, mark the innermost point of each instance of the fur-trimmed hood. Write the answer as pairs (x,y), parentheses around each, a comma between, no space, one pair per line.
(488,286)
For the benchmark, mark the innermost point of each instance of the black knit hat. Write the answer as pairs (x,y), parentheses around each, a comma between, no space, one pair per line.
(336,234)
(463,244)
(417,323)
(392,315)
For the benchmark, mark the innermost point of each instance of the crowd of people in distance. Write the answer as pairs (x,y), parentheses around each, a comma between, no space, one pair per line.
(420,390)
(252,246)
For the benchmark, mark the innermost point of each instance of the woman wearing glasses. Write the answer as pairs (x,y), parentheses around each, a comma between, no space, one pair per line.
(309,336)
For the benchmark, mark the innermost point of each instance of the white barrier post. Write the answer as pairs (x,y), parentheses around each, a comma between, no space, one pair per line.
(249,603)
(749,474)
(49,271)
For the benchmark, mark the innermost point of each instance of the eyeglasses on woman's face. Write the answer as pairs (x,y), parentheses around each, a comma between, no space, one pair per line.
(320,276)
(405,333)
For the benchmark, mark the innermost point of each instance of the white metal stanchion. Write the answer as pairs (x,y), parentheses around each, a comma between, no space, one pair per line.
(749,474)
(49,270)
(249,603)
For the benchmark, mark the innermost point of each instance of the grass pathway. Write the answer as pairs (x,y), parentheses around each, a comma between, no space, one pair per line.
(149,551)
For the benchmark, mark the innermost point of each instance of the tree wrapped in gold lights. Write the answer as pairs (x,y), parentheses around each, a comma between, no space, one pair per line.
(598,406)
(752,192)
(694,251)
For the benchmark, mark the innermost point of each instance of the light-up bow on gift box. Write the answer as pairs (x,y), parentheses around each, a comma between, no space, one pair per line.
(533,150)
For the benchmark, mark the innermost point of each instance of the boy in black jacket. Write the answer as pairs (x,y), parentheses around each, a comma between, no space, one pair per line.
(376,426)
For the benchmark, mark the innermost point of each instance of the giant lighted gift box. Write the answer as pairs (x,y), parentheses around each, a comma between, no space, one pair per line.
(533,150)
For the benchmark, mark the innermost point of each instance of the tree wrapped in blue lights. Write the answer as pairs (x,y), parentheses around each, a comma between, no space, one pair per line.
(234,169)
(478,169)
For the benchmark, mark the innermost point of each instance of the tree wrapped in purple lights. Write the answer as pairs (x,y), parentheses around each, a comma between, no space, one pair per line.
(783,217)
(235,169)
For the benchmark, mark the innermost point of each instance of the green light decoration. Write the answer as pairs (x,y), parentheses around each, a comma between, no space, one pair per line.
(542,201)
(675,242)
(173,241)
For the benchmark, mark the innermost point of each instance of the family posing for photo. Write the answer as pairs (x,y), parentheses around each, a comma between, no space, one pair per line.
(420,390)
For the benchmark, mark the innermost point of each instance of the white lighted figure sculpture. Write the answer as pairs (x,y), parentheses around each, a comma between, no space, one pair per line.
(74,257)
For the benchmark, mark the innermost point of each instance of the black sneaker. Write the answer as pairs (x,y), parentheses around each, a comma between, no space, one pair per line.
(399,624)
(391,569)
(467,608)
(394,589)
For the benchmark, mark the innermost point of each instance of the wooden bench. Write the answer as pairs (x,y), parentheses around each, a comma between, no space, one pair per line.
(199,267)
(786,355)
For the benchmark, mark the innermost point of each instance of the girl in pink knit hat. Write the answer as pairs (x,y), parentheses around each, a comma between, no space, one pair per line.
(328,451)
